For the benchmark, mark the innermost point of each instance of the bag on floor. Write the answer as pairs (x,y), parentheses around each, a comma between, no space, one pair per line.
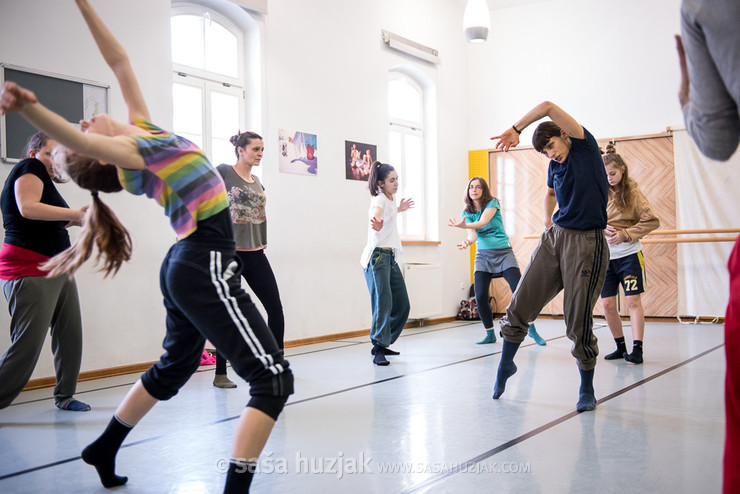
(468,310)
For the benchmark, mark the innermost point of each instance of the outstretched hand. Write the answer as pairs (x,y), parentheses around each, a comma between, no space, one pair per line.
(405,205)
(376,224)
(508,139)
(683,90)
(457,223)
(14,98)
(464,244)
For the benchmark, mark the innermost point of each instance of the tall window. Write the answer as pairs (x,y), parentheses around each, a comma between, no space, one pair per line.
(506,193)
(406,150)
(207,89)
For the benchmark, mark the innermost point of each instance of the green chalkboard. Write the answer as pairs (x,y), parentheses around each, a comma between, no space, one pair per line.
(70,98)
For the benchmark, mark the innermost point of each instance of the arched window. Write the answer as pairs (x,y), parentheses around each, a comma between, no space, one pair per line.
(411,150)
(208,88)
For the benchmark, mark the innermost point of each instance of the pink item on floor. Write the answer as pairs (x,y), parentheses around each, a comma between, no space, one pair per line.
(207,359)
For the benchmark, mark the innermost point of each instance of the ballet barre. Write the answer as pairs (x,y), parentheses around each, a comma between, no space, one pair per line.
(679,240)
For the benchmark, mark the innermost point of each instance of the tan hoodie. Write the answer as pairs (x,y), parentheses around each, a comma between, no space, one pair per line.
(636,220)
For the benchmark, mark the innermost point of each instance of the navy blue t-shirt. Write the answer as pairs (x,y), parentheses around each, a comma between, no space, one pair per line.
(43,237)
(581,186)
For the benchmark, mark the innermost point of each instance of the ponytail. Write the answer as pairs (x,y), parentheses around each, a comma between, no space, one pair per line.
(378,172)
(100,225)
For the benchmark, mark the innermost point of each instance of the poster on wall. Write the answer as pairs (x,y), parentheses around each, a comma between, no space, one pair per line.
(297,153)
(358,157)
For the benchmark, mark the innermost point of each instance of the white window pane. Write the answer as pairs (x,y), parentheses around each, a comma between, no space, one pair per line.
(404,101)
(395,150)
(187,40)
(187,106)
(224,115)
(413,180)
(222,151)
(221,50)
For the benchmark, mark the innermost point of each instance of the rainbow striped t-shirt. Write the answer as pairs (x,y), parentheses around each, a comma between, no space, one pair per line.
(178,176)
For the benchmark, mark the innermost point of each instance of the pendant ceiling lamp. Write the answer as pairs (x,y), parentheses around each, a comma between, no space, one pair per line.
(476,21)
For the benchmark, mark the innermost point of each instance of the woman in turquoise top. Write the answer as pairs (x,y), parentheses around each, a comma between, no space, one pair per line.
(494,257)
(200,276)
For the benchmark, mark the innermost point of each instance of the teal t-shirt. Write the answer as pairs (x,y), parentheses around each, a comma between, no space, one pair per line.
(492,235)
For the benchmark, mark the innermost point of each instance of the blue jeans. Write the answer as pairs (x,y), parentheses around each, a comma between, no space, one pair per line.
(388,297)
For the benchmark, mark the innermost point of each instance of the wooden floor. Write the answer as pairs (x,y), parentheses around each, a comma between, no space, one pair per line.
(426,423)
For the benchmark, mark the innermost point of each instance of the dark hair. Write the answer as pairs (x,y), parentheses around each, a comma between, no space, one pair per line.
(378,172)
(36,143)
(241,140)
(622,192)
(543,133)
(100,225)
(485,197)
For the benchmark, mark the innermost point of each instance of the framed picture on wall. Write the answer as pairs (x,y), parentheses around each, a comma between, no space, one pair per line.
(358,157)
(297,152)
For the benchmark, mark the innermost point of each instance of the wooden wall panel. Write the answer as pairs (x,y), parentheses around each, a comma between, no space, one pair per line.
(518,179)
(650,163)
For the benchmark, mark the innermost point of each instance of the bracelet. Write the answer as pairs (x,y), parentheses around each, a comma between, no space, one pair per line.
(516,130)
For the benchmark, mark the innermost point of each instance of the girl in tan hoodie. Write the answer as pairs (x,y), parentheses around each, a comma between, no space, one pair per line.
(630,218)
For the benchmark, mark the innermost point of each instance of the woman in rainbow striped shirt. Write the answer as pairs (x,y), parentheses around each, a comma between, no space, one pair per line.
(199,278)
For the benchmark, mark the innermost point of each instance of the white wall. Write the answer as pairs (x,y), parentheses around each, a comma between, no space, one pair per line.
(123,318)
(611,64)
(327,74)
(322,76)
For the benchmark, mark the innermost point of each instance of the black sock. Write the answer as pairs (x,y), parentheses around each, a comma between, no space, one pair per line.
(586,398)
(379,357)
(220,364)
(102,452)
(621,348)
(239,476)
(636,356)
(506,368)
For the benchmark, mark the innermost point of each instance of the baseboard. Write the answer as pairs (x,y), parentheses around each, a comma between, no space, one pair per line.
(47,382)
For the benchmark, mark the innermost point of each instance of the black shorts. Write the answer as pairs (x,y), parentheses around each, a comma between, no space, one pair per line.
(629,272)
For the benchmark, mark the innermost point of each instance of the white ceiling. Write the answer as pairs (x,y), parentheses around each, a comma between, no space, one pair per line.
(502,4)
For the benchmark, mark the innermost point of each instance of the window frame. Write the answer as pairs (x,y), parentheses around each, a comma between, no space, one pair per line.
(215,16)
(406,128)
(210,82)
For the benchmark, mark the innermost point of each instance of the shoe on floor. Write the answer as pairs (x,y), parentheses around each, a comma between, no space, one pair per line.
(221,381)
(72,405)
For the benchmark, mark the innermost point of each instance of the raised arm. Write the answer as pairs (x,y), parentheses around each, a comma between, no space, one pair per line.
(120,150)
(117,59)
(510,138)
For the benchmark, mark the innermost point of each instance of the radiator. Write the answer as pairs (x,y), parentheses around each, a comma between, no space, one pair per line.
(424,285)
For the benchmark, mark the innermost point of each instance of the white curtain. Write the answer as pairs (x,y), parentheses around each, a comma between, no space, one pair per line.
(707,196)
